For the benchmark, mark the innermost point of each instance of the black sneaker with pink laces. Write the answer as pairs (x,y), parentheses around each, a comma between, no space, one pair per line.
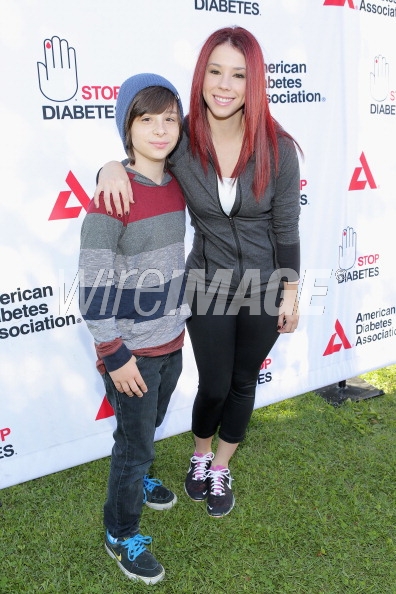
(196,483)
(221,499)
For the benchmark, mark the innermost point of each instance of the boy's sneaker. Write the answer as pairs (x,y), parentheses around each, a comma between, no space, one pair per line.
(220,498)
(134,560)
(155,495)
(196,484)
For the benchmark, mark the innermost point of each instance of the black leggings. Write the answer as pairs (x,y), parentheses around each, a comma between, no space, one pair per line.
(229,351)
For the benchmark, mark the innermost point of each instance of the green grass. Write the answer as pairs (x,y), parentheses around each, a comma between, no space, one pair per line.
(315,512)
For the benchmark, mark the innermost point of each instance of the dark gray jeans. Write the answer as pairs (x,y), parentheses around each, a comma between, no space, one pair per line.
(133,450)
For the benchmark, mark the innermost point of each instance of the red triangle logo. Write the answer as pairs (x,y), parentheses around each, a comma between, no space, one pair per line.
(61,210)
(359,182)
(335,347)
(105,411)
(338,3)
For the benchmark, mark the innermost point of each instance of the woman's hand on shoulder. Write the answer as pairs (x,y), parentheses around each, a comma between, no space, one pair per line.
(114,188)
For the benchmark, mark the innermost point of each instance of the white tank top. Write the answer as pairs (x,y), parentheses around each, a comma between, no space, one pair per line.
(227,193)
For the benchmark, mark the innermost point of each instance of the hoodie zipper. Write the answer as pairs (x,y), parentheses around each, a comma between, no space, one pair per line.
(238,244)
(234,229)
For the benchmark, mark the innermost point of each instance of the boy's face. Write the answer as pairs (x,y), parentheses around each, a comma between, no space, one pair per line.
(154,136)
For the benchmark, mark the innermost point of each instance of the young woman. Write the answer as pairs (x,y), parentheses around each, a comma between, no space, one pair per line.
(239,172)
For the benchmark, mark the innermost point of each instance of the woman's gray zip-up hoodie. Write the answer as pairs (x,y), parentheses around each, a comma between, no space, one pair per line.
(260,236)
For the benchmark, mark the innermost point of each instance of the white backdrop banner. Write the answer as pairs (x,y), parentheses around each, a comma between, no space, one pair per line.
(331,78)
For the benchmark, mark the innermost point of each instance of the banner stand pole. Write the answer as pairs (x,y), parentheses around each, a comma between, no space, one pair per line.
(355,389)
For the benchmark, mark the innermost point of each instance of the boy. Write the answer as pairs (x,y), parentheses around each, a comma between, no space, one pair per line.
(127,266)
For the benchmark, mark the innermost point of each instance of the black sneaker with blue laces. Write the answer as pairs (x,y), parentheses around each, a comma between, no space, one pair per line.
(155,495)
(134,560)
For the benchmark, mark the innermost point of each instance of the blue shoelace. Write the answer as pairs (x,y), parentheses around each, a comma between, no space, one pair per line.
(136,545)
(149,484)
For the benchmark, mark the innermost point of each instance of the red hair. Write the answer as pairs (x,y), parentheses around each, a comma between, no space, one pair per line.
(260,134)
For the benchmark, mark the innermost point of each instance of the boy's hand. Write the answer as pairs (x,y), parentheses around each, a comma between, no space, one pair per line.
(114,183)
(127,379)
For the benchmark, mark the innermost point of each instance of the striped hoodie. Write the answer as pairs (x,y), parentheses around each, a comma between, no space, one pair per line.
(131,273)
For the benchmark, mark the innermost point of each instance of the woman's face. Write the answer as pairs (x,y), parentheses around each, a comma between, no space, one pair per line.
(224,84)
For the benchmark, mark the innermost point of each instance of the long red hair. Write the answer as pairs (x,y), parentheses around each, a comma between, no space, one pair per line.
(260,133)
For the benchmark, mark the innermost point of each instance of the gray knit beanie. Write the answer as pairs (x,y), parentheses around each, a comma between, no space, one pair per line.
(130,88)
